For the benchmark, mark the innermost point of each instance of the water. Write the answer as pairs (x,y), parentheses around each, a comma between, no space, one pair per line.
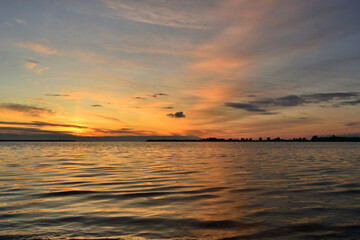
(180,190)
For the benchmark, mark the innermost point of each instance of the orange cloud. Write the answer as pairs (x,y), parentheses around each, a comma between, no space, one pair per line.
(38,48)
(41,69)
(30,65)
(212,94)
(85,56)
(218,64)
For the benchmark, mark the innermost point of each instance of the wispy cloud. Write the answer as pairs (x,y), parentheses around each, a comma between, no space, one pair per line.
(155,95)
(158,94)
(266,104)
(89,57)
(124,131)
(91,131)
(42,124)
(21,21)
(41,69)
(108,118)
(354,102)
(184,14)
(352,124)
(30,63)
(254,32)
(56,95)
(38,48)
(35,133)
(34,65)
(245,106)
(27,109)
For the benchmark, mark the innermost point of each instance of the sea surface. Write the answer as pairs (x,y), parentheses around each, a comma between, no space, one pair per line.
(179,190)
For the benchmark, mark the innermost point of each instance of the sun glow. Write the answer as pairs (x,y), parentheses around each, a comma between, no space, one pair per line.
(77,131)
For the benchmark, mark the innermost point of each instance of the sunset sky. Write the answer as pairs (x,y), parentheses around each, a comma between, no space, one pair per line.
(205,68)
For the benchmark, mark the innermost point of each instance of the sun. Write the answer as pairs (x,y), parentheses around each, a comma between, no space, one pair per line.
(77,131)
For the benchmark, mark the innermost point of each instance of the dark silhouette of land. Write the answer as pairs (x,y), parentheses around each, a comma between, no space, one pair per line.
(315,138)
(332,138)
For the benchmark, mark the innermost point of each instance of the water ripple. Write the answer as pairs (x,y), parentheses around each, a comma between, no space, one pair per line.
(179,191)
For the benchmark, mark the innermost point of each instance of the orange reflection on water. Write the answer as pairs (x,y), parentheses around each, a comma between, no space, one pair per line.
(207,190)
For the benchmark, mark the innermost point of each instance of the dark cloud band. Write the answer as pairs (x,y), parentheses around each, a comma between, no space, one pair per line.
(266,104)
(32,110)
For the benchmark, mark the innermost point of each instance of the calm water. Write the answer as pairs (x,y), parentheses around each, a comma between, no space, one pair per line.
(180,190)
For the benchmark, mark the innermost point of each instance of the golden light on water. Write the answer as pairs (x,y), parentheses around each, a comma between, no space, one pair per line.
(182,190)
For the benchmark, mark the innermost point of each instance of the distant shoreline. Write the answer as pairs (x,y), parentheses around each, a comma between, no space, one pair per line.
(170,140)
(278,139)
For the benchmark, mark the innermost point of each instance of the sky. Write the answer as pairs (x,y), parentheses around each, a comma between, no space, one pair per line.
(204,68)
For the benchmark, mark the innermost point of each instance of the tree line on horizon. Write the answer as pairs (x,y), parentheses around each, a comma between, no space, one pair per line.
(315,138)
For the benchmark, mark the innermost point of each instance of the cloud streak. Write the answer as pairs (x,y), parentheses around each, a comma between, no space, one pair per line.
(352,124)
(34,65)
(56,95)
(42,124)
(253,32)
(122,131)
(27,109)
(163,13)
(158,94)
(266,104)
(21,21)
(30,63)
(108,118)
(32,131)
(36,47)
